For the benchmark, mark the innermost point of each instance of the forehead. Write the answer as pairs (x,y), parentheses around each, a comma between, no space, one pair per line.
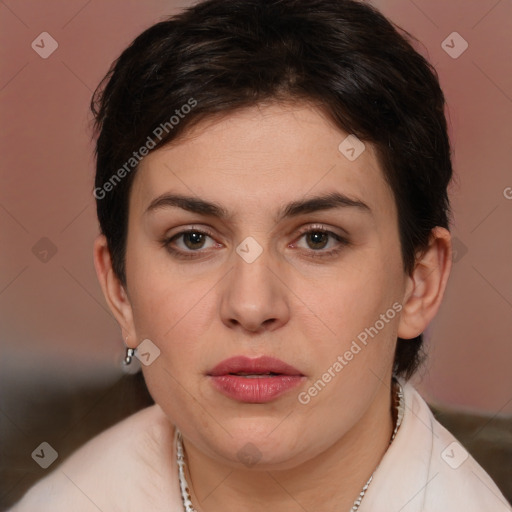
(261,157)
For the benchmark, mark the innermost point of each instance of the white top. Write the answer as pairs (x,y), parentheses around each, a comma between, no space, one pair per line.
(131,467)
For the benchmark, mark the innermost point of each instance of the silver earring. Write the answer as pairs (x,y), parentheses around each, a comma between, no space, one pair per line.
(129,355)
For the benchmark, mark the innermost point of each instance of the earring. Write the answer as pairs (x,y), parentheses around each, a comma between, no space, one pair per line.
(129,355)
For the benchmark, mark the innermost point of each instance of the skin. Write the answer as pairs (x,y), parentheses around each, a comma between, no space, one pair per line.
(287,304)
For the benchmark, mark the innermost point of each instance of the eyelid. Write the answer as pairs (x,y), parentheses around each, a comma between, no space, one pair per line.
(321,227)
(192,228)
(303,230)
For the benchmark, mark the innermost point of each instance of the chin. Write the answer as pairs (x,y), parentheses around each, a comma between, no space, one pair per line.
(260,446)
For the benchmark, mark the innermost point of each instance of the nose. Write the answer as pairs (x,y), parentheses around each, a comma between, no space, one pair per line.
(254,295)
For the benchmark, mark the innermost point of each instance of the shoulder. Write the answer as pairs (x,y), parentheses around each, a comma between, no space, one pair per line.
(126,467)
(457,479)
(426,469)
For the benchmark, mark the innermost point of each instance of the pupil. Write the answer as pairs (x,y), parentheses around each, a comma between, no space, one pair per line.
(317,236)
(194,237)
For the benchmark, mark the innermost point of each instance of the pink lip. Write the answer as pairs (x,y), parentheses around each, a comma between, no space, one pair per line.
(254,389)
(262,364)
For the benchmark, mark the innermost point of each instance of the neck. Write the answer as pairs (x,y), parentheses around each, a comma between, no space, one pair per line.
(332,479)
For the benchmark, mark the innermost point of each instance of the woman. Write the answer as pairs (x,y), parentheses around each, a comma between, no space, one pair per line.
(271,188)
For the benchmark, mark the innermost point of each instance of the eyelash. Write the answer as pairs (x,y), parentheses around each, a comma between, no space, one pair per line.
(343,242)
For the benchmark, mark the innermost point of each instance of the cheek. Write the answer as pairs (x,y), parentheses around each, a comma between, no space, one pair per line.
(175,313)
(355,294)
(355,314)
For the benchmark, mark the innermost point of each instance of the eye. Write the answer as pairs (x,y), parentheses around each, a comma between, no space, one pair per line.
(317,238)
(192,240)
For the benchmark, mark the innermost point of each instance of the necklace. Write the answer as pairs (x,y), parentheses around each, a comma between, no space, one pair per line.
(399,405)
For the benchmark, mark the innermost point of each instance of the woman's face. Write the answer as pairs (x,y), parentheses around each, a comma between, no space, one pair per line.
(256,283)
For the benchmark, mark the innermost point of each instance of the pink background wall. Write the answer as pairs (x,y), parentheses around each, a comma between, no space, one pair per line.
(54,322)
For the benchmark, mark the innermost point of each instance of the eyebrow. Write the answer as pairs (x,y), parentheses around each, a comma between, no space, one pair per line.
(295,208)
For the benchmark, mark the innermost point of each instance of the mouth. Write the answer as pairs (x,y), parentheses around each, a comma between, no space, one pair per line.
(255,375)
(255,381)
(260,367)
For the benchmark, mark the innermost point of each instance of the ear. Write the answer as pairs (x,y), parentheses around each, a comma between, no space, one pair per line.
(113,290)
(425,287)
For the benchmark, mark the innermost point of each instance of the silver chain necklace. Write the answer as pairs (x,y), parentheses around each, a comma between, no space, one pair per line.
(180,458)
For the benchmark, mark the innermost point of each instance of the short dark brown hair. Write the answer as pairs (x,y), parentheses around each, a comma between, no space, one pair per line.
(222,55)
